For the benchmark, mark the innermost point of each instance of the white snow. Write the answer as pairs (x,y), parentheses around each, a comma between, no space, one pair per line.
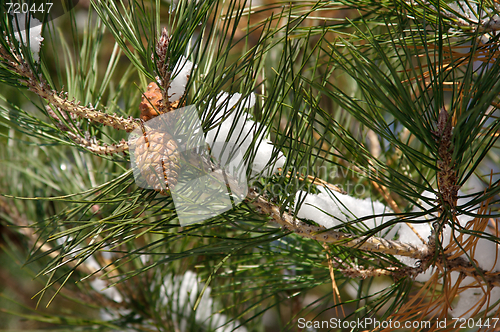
(180,76)
(180,294)
(320,208)
(470,299)
(330,209)
(34,33)
(101,286)
(237,128)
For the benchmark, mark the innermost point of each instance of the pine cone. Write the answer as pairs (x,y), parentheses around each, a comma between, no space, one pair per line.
(158,158)
(151,104)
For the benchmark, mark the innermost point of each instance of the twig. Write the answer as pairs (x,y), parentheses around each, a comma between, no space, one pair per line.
(464,266)
(365,243)
(393,271)
(103,149)
(41,88)
(87,143)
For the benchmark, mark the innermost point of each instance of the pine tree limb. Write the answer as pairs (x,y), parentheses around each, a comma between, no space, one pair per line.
(365,243)
(41,88)
(103,149)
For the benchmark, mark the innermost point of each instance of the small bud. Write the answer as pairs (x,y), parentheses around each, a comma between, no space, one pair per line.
(162,45)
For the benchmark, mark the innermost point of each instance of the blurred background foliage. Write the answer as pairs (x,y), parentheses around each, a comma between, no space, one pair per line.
(351,92)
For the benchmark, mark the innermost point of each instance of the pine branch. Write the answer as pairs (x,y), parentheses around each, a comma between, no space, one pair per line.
(363,273)
(366,243)
(380,123)
(41,88)
(103,149)
(86,142)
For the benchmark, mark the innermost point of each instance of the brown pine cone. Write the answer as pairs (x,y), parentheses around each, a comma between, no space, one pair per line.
(158,158)
(152,103)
